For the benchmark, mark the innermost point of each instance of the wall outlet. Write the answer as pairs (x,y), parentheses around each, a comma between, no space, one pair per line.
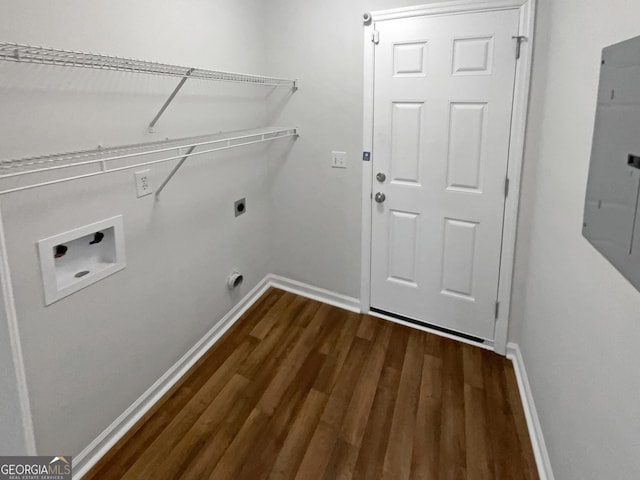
(240,206)
(338,159)
(143,183)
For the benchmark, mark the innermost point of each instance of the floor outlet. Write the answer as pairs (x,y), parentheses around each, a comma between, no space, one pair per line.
(338,160)
(143,183)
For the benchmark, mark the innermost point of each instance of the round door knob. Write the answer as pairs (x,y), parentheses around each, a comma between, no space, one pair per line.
(380,197)
(381,177)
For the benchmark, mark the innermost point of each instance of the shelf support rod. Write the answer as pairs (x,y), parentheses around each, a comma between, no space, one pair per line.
(175,169)
(169,100)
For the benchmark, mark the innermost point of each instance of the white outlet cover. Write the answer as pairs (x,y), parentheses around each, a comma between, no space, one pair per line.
(143,183)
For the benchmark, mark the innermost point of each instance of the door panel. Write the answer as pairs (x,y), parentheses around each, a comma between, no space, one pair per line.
(466,146)
(409,59)
(472,56)
(406,141)
(458,254)
(403,247)
(442,113)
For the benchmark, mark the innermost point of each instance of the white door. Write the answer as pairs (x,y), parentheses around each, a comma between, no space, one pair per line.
(442,114)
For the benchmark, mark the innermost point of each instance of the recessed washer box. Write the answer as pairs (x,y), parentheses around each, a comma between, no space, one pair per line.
(78,258)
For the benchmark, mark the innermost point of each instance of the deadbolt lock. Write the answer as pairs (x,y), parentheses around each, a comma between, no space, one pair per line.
(381,177)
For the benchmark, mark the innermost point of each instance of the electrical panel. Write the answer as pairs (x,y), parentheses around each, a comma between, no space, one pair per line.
(611,212)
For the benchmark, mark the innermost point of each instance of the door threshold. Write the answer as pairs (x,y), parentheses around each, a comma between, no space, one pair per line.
(429,325)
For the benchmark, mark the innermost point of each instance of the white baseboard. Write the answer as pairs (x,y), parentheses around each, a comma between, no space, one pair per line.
(315,293)
(531,414)
(86,459)
(353,304)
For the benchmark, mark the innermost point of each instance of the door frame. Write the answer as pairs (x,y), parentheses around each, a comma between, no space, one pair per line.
(522,84)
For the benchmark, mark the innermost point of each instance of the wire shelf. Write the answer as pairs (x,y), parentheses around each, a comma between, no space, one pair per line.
(113,159)
(16,52)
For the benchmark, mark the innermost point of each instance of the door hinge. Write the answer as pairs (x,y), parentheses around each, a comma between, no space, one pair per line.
(497,309)
(375,37)
(506,186)
(519,39)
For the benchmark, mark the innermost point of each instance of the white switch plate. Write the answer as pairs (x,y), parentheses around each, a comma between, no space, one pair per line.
(143,183)
(339,159)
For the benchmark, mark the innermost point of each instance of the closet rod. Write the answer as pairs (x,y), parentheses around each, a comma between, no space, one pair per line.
(102,157)
(16,52)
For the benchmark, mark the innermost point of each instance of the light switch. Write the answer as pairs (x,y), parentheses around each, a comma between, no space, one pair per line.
(339,159)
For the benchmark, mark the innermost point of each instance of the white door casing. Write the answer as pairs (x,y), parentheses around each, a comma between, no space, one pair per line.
(444,87)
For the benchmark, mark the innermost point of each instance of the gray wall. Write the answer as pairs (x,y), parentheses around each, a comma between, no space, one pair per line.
(89,356)
(577,320)
(316,208)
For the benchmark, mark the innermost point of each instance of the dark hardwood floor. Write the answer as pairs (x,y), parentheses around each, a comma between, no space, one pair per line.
(300,389)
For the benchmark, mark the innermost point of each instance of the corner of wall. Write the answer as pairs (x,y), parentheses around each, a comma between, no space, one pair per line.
(533,422)
(16,425)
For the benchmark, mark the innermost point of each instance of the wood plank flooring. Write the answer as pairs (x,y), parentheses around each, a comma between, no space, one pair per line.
(297,389)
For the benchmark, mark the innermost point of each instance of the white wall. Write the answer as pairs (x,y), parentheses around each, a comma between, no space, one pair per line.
(577,320)
(316,209)
(89,356)
(14,438)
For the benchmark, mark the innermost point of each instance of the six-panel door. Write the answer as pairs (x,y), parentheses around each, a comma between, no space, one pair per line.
(442,115)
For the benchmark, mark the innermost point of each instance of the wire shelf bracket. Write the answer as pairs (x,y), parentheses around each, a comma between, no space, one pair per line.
(169,100)
(108,160)
(175,169)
